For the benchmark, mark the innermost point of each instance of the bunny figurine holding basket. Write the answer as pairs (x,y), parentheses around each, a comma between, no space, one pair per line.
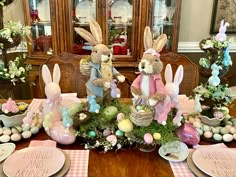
(102,71)
(149,83)
(51,108)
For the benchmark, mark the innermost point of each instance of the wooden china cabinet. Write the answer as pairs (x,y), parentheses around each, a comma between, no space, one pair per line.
(122,23)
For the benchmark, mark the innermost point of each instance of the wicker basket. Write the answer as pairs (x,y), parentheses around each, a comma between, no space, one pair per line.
(85,68)
(141,118)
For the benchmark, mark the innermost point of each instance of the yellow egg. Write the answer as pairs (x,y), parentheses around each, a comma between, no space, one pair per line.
(157,136)
(21,107)
(125,125)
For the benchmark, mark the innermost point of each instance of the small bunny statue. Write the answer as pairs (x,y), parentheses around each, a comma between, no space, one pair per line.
(197,104)
(149,83)
(172,88)
(227,58)
(115,91)
(93,105)
(51,108)
(214,80)
(221,36)
(102,71)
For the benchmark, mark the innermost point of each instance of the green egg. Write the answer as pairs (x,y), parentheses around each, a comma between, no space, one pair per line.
(119,133)
(217,137)
(92,134)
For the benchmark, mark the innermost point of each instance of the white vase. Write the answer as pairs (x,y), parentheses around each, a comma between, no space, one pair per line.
(10,121)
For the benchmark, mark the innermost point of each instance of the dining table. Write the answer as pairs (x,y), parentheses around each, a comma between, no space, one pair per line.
(126,162)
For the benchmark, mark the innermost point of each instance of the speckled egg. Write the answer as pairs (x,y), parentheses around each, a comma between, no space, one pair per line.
(157,136)
(208,134)
(14,130)
(26,134)
(148,138)
(232,130)
(19,128)
(217,137)
(15,137)
(92,134)
(224,130)
(7,131)
(5,138)
(25,128)
(34,130)
(119,133)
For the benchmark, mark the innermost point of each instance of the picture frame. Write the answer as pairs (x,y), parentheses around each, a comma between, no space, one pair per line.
(223,9)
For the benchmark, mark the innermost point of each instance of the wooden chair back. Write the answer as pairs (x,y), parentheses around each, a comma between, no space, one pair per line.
(191,73)
(72,81)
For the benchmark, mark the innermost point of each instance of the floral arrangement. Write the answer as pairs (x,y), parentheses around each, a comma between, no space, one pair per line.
(14,72)
(13,31)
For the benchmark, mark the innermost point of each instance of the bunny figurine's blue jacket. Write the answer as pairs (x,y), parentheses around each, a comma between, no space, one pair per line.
(95,74)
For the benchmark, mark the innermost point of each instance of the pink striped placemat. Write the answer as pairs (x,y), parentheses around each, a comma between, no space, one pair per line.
(79,163)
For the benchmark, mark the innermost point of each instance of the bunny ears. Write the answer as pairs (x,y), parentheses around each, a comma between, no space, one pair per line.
(47,75)
(95,37)
(157,44)
(178,75)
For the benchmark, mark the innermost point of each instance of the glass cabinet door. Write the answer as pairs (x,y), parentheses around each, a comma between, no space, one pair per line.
(119,24)
(41,27)
(82,12)
(164,20)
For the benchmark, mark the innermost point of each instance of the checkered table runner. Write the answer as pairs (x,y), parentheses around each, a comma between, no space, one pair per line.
(79,163)
(180,169)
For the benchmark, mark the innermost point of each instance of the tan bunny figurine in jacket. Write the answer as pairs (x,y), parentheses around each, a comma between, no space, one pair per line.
(149,83)
(102,71)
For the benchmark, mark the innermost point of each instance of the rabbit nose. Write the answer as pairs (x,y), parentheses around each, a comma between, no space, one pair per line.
(142,65)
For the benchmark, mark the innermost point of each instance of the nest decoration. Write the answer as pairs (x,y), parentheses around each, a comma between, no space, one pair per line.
(16,41)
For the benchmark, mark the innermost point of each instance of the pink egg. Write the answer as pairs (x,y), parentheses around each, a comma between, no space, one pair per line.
(148,138)
(112,139)
(218,114)
(106,132)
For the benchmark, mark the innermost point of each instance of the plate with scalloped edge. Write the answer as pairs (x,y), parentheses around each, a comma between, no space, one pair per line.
(175,151)
(5,150)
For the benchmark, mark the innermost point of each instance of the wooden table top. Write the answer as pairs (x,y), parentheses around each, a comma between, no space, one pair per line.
(127,162)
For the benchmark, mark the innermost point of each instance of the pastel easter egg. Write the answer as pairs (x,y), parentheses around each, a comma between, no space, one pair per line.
(218,114)
(119,133)
(92,134)
(14,130)
(208,134)
(7,131)
(34,130)
(228,137)
(224,130)
(15,137)
(232,130)
(157,136)
(19,128)
(120,116)
(26,127)
(125,125)
(217,137)
(110,112)
(112,139)
(27,134)
(4,138)
(22,107)
(106,132)
(148,138)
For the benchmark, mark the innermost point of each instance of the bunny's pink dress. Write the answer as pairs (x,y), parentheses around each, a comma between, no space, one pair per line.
(156,86)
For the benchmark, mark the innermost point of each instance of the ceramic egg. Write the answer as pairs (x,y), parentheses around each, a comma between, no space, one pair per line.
(208,134)
(125,125)
(92,134)
(27,134)
(157,136)
(148,138)
(110,112)
(22,107)
(7,131)
(106,132)
(15,137)
(4,138)
(217,137)
(119,133)
(34,130)
(112,139)
(228,137)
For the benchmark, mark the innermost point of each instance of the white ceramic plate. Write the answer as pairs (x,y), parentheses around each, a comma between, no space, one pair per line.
(86,9)
(216,162)
(175,151)
(123,9)
(44,11)
(34,161)
(6,149)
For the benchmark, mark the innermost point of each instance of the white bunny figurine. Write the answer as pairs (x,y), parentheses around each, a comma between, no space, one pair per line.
(197,104)
(221,36)
(172,88)
(214,80)
(52,92)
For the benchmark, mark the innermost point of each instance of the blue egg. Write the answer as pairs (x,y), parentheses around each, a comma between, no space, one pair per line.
(92,134)
(119,133)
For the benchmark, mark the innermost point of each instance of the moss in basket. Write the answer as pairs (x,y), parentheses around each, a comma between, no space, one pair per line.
(11,108)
